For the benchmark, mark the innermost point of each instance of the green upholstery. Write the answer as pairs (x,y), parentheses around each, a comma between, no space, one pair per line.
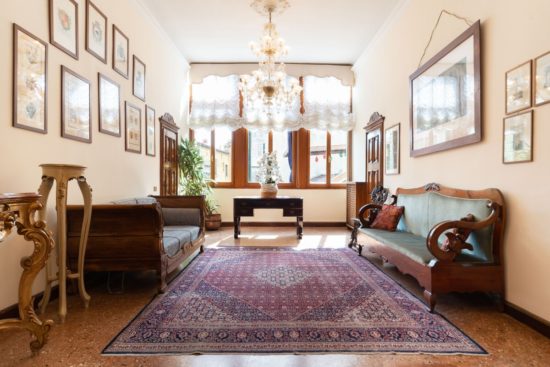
(422,213)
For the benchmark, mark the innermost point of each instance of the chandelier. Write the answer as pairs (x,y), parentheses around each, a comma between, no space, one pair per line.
(267,88)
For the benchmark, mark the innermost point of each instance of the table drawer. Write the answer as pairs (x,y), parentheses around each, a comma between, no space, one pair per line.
(293,212)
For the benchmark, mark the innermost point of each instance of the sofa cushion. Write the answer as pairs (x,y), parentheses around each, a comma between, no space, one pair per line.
(181,216)
(388,217)
(192,230)
(178,237)
(130,201)
(415,217)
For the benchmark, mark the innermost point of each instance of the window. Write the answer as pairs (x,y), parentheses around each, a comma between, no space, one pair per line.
(328,168)
(218,162)
(203,138)
(258,144)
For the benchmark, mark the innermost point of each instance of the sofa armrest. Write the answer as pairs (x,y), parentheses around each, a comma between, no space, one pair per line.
(457,241)
(371,210)
(197,202)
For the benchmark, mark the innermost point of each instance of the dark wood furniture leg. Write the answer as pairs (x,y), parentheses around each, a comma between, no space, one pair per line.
(237,224)
(299,226)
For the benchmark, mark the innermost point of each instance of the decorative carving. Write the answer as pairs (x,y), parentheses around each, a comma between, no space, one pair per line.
(379,195)
(432,187)
(168,118)
(375,117)
(456,239)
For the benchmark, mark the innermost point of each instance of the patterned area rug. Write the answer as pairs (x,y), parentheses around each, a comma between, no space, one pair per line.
(243,300)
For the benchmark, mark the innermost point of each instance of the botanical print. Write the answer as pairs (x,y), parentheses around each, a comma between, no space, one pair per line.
(392,150)
(109,104)
(133,128)
(96,24)
(30,79)
(542,79)
(518,88)
(64,25)
(444,99)
(139,79)
(518,144)
(120,52)
(150,131)
(76,107)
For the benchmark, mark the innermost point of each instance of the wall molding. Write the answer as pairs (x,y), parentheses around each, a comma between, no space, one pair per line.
(527,318)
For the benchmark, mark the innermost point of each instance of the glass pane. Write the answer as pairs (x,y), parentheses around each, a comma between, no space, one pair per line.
(257,146)
(317,156)
(282,145)
(223,139)
(203,138)
(338,156)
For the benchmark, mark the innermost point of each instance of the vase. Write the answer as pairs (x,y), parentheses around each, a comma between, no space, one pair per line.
(213,222)
(268,190)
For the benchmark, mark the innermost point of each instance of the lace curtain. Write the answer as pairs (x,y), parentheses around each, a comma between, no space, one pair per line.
(216,102)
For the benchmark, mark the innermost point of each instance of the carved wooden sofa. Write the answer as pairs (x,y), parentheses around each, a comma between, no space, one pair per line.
(153,233)
(466,262)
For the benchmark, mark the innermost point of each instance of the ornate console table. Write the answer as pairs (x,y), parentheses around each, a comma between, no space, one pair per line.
(19,211)
(62,174)
(243,206)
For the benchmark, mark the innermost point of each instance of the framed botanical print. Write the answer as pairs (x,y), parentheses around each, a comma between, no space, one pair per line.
(150,131)
(133,128)
(542,79)
(76,114)
(30,81)
(121,52)
(64,26)
(446,97)
(518,88)
(139,78)
(109,106)
(96,32)
(392,150)
(518,138)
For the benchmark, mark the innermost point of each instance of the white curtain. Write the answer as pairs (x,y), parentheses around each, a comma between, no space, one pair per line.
(327,104)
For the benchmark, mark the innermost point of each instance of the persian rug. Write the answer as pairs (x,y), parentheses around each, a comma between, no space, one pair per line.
(250,300)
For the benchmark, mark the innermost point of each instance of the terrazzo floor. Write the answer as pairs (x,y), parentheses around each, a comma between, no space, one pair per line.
(80,340)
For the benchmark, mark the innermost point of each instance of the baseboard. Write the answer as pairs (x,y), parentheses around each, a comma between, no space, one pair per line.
(527,318)
(12,312)
(285,224)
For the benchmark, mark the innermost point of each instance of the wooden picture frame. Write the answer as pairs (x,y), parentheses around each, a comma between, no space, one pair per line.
(138,78)
(392,150)
(121,53)
(517,139)
(132,135)
(437,123)
(541,85)
(109,106)
(63,16)
(150,131)
(96,32)
(518,88)
(30,81)
(76,102)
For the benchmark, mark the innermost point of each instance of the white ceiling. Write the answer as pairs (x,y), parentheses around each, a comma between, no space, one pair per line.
(317,31)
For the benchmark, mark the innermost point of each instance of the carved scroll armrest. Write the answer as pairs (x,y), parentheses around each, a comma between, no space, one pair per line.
(372,211)
(457,238)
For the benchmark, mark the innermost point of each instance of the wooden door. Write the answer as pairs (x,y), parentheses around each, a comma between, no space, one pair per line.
(168,156)
(374,157)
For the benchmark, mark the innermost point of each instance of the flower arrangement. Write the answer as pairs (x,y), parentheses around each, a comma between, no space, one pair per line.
(268,171)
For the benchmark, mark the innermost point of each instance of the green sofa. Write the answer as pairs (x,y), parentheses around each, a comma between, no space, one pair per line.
(448,239)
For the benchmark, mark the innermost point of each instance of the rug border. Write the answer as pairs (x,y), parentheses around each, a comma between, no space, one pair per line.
(483,351)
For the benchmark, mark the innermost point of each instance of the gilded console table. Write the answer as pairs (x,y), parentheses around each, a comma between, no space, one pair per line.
(62,174)
(19,211)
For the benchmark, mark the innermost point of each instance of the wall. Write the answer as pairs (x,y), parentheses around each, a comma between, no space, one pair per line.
(112,172)
(512,33)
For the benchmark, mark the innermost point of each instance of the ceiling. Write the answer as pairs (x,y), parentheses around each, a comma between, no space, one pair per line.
(317,31)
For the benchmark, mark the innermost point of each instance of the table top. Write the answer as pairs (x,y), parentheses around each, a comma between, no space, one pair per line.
(12,198)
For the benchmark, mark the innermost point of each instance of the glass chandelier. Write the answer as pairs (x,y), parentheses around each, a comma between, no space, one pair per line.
(268,88)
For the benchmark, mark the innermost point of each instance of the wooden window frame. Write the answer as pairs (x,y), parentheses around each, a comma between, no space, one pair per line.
(214,183)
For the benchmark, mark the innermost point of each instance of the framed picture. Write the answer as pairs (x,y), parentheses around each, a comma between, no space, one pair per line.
(121,52)
(392,150)
(139,79)
(30,81)
(133,128)
(96,32)
(109,106)
(542,79)
(518,88)
(76,114)
(518,138)
(445,110)
(64,26)
(150,131)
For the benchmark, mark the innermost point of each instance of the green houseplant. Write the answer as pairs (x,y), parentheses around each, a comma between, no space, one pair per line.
(194,182)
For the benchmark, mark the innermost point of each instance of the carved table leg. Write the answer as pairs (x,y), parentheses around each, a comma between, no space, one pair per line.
(299,226)
(61,207)
(237,225)
(87,195)
(44,191)
(430,299)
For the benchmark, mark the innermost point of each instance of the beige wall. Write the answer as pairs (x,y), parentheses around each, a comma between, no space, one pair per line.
(512,33)
(112,172)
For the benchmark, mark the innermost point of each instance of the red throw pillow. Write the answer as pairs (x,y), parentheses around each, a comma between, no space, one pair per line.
(388,217)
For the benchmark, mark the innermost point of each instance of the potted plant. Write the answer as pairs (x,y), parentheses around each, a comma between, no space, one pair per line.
(268,175)
(193,181)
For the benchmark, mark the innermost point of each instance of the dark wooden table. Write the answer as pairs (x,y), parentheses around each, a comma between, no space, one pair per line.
(243,206)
